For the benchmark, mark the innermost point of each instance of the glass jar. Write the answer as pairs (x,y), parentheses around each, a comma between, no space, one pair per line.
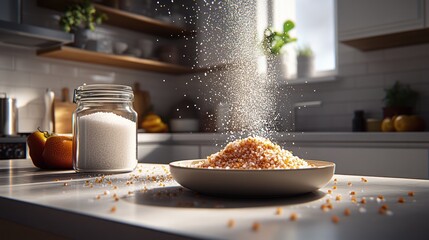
(104,129)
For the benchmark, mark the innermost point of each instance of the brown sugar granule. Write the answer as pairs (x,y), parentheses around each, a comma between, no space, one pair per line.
(347,212)
(256,226)
(334,187)
(338,197)
(335,180)
(363,201)
(328,200)
(326,207)
(115,197)
(383,209)
(98,197)
(411,194)
(253,153)
(364,180)
(349,184)
(293,217)
(329,191)
(353,199)
(381,197)
(279,211)
(231,223)
(65,184)
(335,219)
(113,209)
(352,193)
(401,200)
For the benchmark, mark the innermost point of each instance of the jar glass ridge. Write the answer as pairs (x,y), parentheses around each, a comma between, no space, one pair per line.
(104,129)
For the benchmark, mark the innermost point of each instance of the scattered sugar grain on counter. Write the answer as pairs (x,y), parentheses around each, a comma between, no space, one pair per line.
(362,210)
(256,226)
(107,141)
(231,223)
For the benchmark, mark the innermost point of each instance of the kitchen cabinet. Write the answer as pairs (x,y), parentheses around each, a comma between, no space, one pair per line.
(370,25)
(208,150)
(387,162)
(157,153)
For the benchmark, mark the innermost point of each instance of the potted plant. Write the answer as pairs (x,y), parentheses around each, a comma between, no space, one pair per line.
(305,62)
(79,19)
(400,99)
(273,43)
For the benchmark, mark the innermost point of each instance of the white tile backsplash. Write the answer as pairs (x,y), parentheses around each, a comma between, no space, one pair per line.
(355,69)
(29,64)
(14,78)
(6,62)
(63,70)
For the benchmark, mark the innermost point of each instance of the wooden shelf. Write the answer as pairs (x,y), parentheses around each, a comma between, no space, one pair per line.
(140,23)
(126,20)
(80,55)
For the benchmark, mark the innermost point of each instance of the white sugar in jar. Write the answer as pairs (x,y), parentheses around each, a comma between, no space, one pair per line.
(104,129)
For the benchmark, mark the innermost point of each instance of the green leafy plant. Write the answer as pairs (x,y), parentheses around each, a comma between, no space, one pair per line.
(400,95)
(305,50)
(81,15)
(274,41)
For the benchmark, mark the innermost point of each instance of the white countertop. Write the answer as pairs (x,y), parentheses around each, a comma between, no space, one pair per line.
(152,206)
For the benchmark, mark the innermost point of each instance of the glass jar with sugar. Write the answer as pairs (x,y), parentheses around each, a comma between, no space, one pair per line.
(104,129)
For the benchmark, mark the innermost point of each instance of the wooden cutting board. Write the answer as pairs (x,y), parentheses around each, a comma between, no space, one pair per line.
(63,112)
(141,103)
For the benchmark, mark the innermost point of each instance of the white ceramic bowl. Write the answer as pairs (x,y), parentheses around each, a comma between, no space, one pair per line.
(120,47)
(235,182)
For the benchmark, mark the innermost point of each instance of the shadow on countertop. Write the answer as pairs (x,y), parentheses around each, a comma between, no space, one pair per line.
(184,198)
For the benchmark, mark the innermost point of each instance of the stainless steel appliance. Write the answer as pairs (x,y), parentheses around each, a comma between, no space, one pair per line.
(13,147)
(8,116)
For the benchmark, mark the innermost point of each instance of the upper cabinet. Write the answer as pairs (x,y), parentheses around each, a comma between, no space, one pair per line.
(378,24)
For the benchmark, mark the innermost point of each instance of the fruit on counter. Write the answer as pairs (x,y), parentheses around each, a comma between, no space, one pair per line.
(36,143)
(153,123)
(405,123)
(50,151)
(58,152)
(387,125)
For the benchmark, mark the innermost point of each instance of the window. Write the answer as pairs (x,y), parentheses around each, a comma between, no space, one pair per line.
(315,27)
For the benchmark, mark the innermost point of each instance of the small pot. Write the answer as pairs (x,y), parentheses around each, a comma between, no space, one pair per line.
(305,66)
(8,116)
(81,37)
